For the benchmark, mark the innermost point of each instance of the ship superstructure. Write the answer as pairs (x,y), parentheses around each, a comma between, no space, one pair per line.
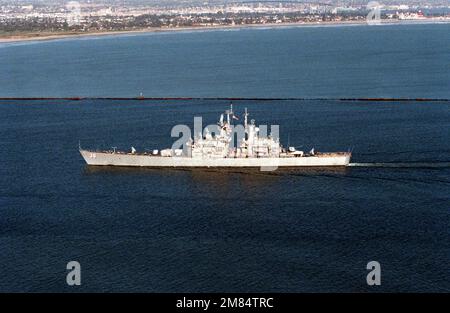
(219,145)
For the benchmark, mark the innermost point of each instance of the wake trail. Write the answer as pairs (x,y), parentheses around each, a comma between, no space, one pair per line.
(417,165)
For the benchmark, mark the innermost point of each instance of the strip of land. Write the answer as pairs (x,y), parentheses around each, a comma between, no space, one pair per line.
(42,36)
(225,99)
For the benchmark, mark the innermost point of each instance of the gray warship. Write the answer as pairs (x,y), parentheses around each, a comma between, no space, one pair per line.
(215,150)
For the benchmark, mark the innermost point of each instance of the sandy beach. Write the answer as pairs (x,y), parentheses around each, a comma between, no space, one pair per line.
(55,36)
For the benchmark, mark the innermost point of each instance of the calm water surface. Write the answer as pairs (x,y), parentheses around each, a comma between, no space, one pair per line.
(216,230)
(352,61)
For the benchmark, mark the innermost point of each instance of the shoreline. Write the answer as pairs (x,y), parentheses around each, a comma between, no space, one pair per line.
(58,36)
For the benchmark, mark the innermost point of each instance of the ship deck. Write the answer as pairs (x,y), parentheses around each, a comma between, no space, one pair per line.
(317,154)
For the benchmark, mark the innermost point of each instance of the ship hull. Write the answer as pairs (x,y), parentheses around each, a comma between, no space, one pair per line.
(139,160)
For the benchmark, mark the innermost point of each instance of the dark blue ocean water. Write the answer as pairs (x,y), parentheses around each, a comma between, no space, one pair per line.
(228,230)
(215,230)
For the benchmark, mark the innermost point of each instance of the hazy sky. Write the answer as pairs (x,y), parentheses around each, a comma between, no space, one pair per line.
(162,2)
